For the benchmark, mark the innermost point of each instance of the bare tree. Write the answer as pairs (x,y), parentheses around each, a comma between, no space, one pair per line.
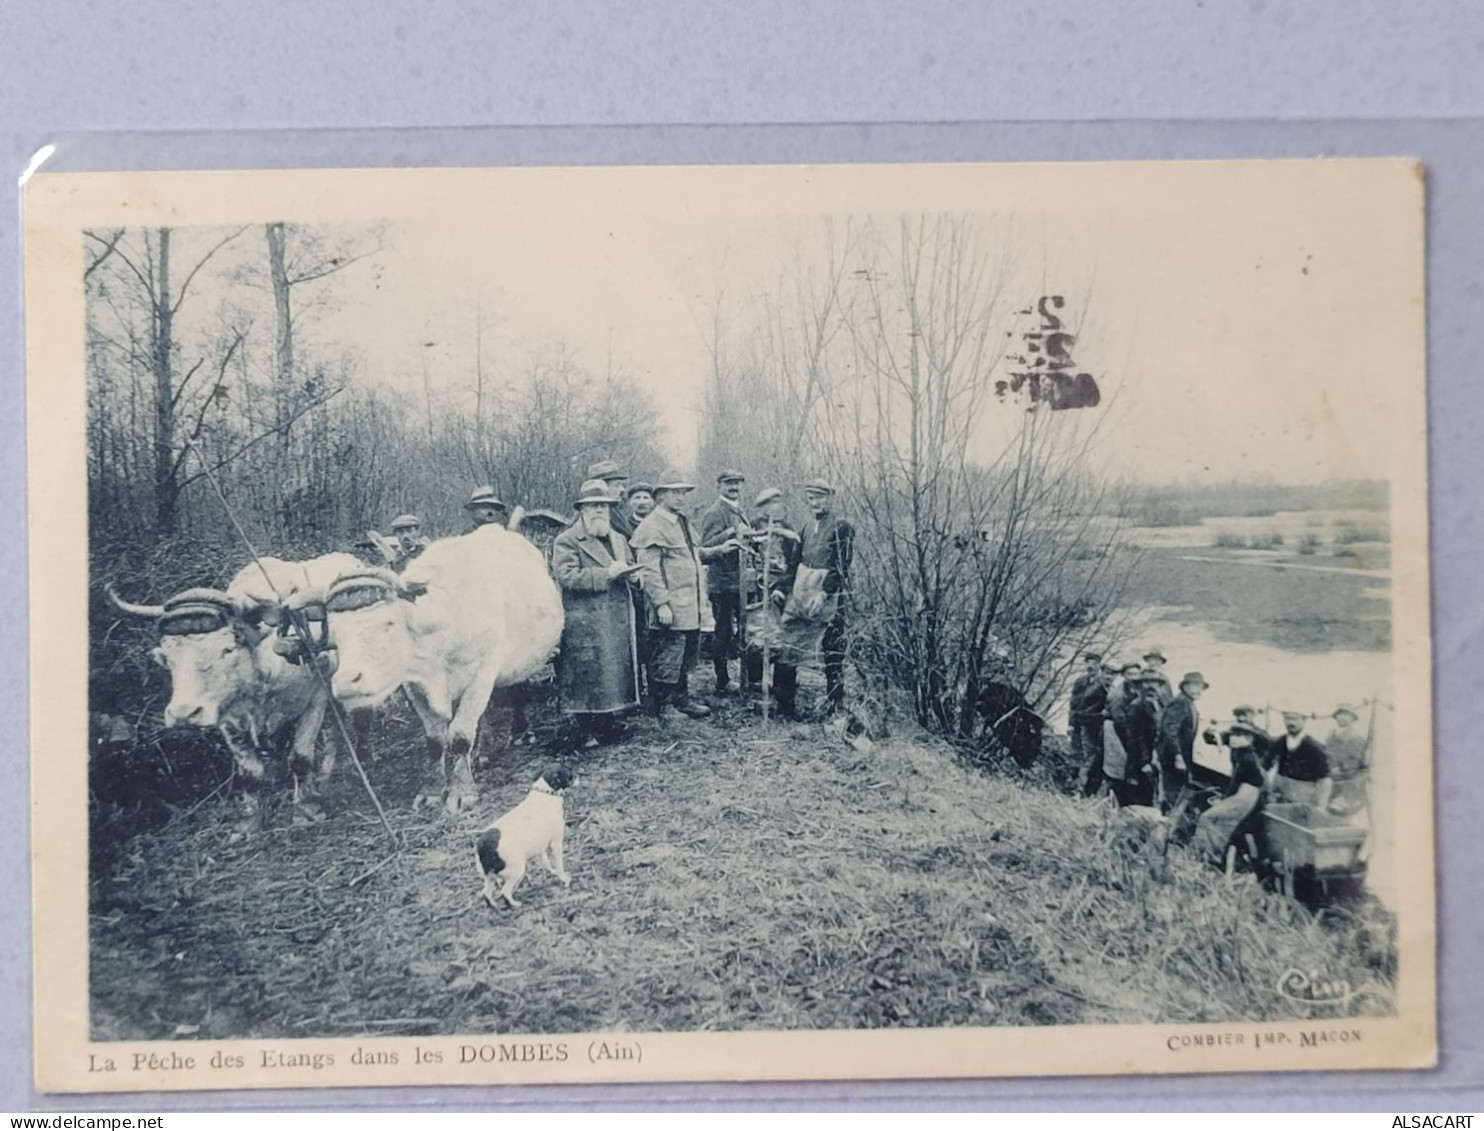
(146,268)
(981,556)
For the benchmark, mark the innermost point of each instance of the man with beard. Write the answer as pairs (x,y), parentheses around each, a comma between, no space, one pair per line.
(595,567)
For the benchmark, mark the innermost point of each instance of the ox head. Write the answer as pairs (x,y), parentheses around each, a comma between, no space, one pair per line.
(367,616)
(208,643)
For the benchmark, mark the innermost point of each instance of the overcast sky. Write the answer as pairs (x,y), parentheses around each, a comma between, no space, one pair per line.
(1254,320)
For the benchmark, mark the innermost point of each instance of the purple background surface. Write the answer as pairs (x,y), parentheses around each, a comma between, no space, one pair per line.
(70,69)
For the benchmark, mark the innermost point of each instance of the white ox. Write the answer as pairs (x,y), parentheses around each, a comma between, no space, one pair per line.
(470,614)
(228,669)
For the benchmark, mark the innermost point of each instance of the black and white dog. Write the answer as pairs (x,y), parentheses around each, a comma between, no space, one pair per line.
(534,829)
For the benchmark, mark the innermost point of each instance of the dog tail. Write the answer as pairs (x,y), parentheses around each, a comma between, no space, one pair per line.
(487,847)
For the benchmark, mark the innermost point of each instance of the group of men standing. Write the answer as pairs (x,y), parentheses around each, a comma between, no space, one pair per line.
(1135,736)
(641,584)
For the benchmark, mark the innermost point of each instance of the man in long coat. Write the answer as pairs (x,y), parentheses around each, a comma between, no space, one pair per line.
(595,567)
(675,589)
(725,520)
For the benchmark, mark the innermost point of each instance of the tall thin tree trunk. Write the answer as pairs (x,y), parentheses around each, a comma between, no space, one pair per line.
(162,346)
(283,385)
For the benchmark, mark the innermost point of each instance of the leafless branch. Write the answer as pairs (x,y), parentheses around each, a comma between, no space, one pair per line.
(200,263)
(108,247)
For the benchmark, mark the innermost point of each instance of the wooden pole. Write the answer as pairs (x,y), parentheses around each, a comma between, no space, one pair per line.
(767,598)
(742,531)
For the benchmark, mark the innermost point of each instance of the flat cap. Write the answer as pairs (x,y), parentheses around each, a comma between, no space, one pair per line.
(731,475)
(820,485)
(767,495)
(404,521)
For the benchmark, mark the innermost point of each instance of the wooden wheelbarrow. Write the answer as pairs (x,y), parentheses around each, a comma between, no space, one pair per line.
(1302,839)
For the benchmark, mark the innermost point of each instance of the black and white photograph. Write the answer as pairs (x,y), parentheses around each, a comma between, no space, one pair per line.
(554,624)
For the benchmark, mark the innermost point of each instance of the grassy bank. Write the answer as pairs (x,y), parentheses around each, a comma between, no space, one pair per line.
(723,878)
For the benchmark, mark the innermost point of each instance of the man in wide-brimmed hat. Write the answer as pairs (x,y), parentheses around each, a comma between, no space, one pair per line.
(610,473)
(675,589)
(1348,749)
(1300,771)
(486,509)
(823,582)
(596,569)
(1179,723)
(1153,674)
(725,522)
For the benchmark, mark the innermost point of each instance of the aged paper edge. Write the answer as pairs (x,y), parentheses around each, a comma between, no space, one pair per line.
(58,206)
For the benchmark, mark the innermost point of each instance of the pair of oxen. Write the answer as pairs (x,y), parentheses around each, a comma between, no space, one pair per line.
(469,614)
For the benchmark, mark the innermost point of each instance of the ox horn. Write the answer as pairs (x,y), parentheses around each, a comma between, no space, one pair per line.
(153,611)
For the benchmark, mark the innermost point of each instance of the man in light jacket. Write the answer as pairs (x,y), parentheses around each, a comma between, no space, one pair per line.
(675,591)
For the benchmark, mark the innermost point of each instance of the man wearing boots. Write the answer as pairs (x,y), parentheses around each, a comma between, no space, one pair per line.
(829,545)
(675,592)
(725,522)
(779,547)
(593,564)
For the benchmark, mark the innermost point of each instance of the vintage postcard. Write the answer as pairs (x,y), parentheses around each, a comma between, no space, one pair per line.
(725,623)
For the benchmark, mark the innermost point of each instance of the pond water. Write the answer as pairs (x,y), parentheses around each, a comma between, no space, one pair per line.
(1292,526)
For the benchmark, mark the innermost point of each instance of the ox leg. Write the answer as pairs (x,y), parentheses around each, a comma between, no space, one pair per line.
(435,728)
(461,735)
(558,856)
(250,773)
(307,777)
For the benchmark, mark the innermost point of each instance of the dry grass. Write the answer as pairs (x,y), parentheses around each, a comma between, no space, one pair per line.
(723,879)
